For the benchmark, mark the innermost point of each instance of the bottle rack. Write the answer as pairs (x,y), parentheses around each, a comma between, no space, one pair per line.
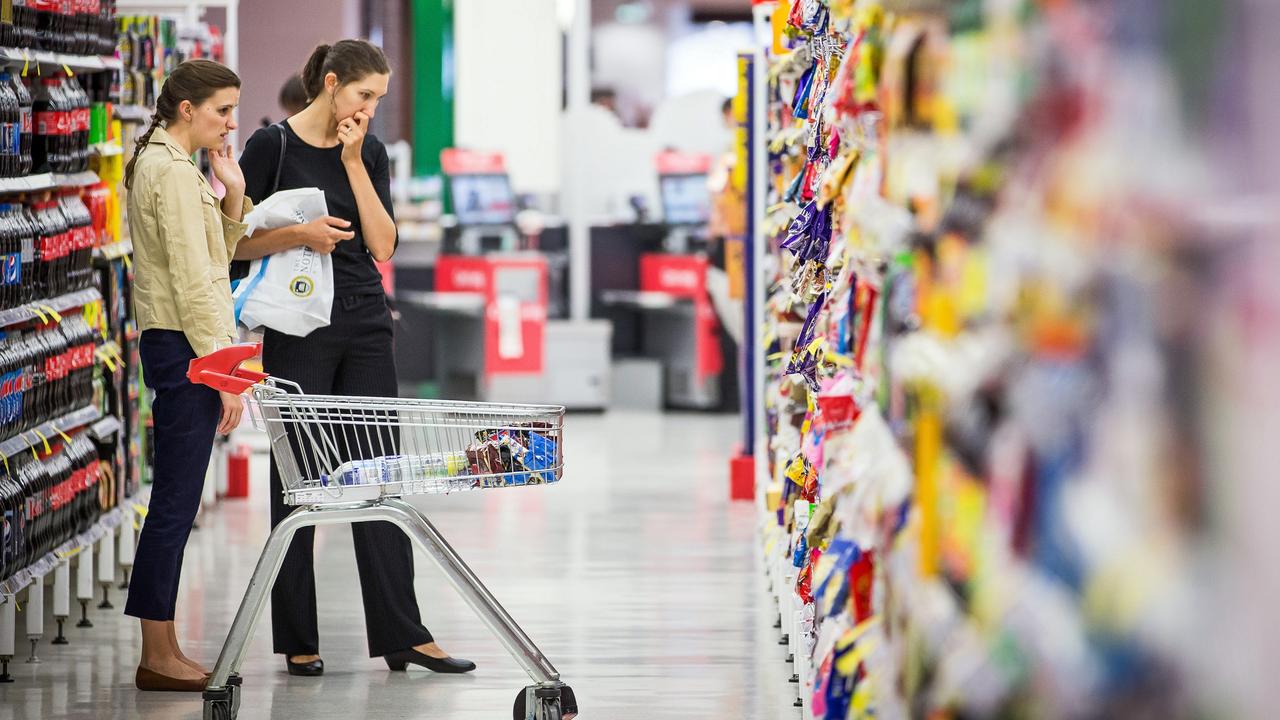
(112,420)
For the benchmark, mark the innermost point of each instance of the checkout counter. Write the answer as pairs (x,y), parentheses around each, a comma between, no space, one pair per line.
(483,304)
(650,282)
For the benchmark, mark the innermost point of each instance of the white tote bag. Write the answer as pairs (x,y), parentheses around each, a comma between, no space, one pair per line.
(292,291)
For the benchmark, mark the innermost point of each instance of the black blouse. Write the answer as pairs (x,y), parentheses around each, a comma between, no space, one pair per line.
(308,166)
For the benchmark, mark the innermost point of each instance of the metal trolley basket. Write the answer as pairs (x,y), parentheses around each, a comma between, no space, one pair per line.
(352,459)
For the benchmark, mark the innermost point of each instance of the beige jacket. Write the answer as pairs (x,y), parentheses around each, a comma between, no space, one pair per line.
(182,245)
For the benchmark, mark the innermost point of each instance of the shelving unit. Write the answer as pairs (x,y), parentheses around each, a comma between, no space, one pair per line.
(39,310)
(21,57)
(132,113)
(114,251)
(105,526)
(47,181)
(35,436)
(111,421)
(949,347)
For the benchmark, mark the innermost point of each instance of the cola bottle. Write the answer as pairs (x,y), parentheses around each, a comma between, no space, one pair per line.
(6,253)
(23,24)
(12,250)
(81,120)
(59,15)
(27,119)
(28,232)
(82,28)
(55,279)
(44,25)
(9,120)
(43,247)
(80,224)
(44,146)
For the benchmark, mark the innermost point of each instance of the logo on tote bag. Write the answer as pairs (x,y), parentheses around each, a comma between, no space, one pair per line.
(302,286)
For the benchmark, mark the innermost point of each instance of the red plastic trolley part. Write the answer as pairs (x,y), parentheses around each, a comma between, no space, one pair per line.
(221,370)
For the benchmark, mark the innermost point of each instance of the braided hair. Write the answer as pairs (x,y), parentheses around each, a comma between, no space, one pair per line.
(193,80)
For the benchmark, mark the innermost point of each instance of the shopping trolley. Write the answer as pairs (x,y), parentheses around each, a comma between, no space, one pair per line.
(352,459)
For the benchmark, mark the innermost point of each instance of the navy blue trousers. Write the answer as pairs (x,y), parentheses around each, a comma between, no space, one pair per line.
(186,419)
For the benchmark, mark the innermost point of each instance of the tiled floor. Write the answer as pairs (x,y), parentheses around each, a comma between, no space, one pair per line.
(636,576)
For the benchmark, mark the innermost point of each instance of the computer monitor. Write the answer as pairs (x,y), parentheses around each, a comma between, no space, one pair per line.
(483,199)
(686,200)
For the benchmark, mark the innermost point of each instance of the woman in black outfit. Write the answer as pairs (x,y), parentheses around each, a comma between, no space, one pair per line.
(327,146)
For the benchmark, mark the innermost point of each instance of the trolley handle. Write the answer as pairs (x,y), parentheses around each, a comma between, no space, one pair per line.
(221,369)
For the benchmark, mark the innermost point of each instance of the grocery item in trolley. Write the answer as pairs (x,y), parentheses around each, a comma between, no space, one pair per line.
(497,458)
(519,456)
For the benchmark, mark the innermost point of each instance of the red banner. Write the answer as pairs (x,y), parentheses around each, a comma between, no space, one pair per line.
(457,161)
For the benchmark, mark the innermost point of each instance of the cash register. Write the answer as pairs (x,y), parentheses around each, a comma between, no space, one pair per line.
(490,330)
(654,289)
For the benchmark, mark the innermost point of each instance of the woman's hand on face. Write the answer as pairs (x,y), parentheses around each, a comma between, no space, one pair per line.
(351,132)
(227,170)
(232,408)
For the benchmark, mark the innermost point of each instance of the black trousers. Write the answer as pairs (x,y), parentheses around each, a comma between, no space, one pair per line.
(352,356)
(186,419)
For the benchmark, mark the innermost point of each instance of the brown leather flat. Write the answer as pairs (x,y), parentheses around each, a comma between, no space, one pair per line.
(150,680)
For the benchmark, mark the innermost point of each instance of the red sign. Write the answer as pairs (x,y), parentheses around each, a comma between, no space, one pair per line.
(685,276)
(457,161)
(681,163)
(388,272)
(515,313)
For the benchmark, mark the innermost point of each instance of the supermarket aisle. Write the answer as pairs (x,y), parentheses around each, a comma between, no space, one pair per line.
(635,575)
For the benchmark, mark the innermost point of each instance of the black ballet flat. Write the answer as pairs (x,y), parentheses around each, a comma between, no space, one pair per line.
(315,668)
(399,661)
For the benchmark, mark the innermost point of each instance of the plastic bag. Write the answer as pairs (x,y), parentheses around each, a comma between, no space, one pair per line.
(292,291)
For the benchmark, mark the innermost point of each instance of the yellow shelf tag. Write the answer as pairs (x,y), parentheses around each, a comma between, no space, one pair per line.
(105,357)
(44,440)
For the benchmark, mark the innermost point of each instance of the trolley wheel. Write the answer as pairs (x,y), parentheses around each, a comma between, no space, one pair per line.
(549,703)
(220,704)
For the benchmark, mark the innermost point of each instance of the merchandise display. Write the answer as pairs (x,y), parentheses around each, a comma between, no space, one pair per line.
(963,367)
(68,362)
(83,27)
(150,47)
(48,499)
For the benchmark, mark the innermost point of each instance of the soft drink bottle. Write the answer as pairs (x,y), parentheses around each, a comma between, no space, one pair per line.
(27,233)
(27,116)
(9,122)
(44,147)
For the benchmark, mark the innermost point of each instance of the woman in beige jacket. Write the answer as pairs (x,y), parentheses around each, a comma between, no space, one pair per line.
(183,239)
